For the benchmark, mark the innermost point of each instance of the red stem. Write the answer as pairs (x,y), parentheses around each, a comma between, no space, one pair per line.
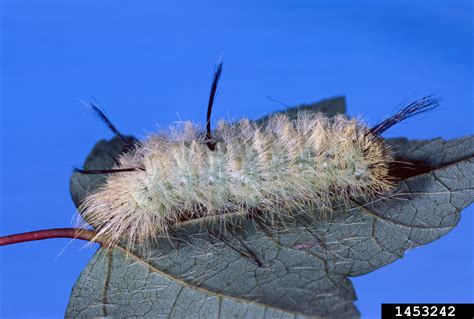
(75,233)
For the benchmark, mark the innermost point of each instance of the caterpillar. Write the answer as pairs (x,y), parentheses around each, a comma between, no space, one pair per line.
(277,168)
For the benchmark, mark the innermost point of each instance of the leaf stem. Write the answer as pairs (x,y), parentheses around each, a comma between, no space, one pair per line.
(74,233)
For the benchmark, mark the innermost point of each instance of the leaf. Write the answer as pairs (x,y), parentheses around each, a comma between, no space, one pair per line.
(298,270)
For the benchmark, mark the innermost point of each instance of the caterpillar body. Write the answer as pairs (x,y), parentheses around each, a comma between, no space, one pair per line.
(283,166)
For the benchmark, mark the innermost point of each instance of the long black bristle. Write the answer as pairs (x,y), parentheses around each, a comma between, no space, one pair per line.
(215,82)
(107,122)
(419,106)
(105,171)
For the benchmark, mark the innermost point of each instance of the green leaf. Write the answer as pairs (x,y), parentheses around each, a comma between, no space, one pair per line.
(299,269)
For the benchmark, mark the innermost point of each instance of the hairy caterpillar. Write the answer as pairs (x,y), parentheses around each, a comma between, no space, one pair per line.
(277,168)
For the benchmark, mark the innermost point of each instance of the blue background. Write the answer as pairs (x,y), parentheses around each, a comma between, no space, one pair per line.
(151,62)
